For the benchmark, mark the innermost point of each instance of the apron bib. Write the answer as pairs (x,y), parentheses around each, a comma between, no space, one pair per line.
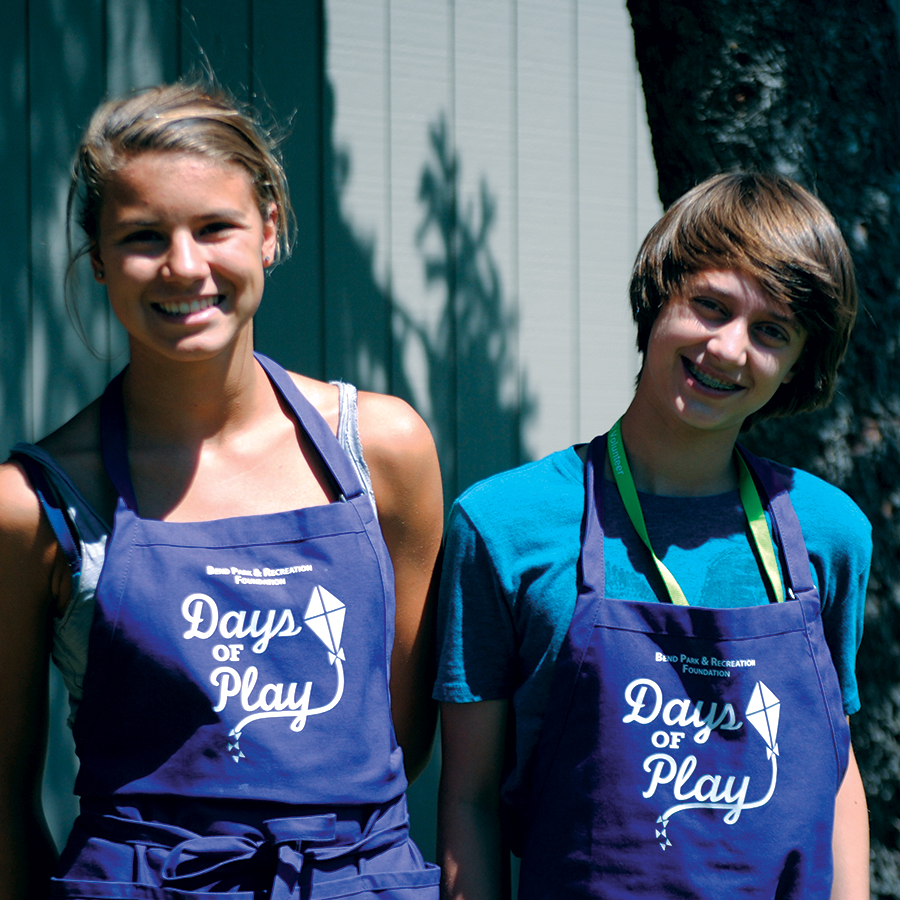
(685,751)
(236,717)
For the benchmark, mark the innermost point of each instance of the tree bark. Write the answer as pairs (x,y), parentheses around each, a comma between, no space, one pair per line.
(810,89)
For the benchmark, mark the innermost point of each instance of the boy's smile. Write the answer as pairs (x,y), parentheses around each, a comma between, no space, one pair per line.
(718,351)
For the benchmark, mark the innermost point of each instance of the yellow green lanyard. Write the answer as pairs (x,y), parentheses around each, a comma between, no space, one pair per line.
(756,518)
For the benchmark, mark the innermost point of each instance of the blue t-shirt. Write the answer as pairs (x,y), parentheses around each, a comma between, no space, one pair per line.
(509,579)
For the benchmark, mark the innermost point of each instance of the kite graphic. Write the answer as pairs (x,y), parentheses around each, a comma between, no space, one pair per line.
(325,616)
(763,711)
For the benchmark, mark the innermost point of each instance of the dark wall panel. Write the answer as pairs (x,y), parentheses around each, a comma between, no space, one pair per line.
(15,300)
(67,76)
(287,81)
(217,33)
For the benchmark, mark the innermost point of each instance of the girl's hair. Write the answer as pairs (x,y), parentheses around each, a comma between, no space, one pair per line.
(189,116)
(184,117)
(769,227)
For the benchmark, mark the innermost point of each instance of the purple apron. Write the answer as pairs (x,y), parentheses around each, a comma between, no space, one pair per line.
(686,752)
(235,735)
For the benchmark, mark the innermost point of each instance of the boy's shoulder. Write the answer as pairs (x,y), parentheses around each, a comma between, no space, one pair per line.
(825,511)
(528,496)
(526,485)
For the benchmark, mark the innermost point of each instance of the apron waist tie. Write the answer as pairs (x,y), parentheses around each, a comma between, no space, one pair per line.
(213,857)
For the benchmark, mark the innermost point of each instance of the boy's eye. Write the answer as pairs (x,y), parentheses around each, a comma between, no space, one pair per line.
(144,236)
(774,333)
(707,304)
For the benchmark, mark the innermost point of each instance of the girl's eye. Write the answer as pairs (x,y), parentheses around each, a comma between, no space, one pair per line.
(216,227)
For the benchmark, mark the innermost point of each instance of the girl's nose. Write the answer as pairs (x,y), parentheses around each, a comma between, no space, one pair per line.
(184,259)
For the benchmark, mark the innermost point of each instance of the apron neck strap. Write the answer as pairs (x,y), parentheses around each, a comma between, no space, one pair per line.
(114,439)
(750,500)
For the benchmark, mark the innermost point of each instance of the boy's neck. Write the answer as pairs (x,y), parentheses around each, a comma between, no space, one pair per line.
(677,462)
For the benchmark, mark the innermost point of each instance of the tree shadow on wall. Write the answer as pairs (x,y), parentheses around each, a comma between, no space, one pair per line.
(459,368)
(477,402)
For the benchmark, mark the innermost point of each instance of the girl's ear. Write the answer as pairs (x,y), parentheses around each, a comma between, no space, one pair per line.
(270,235)
(97,263)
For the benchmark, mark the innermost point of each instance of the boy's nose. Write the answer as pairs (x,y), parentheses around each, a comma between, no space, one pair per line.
(731,341)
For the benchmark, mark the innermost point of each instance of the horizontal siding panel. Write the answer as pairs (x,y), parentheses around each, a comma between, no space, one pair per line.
(142,43)
(216,34)
(65,375)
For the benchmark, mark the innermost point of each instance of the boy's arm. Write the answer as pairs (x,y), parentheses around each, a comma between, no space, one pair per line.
(471,850)
(850,843)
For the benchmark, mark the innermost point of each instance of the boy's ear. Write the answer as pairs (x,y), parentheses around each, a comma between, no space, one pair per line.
(795,368)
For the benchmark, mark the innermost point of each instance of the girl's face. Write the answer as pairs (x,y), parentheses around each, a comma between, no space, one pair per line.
(182,250)
(719,351)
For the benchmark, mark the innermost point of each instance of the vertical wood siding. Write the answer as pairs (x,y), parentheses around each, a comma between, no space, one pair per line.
(494,164)
(471,180)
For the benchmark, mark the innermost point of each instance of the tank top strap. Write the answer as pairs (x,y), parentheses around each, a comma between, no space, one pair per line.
(33,461)
(348,435)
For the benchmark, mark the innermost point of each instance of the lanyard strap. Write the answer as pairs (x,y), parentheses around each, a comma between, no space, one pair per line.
(756,519)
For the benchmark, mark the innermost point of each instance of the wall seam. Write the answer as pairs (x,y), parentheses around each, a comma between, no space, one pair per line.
(30,398)
(576,222)
(514,232)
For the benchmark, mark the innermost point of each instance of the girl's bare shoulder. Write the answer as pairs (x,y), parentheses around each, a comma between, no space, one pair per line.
(76,448)
(392,432)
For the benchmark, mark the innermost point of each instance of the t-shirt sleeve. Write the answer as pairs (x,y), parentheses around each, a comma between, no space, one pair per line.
(839,539)
(476,636)
(843,608)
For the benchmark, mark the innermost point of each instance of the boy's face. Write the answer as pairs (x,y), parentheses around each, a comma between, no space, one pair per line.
(719,350)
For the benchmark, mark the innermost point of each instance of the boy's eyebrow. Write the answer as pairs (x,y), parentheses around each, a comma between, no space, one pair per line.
(789,319)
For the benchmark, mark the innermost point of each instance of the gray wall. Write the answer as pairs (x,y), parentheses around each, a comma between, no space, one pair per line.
(471,180)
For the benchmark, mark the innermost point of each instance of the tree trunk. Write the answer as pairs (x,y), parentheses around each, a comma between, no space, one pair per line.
(810,89)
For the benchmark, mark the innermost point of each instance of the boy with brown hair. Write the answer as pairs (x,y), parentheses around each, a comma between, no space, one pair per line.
(648,644)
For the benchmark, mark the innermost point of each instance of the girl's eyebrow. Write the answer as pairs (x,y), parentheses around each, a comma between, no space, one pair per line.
(223,213)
